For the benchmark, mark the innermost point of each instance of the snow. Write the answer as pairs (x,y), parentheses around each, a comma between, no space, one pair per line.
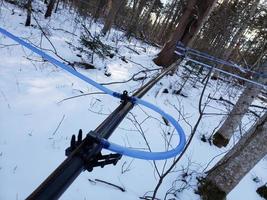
(31,94)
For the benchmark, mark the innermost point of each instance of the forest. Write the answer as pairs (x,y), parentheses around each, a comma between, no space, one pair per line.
(133,99)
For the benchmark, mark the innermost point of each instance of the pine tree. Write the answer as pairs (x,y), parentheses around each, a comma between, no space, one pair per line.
(116,5)
(195,14)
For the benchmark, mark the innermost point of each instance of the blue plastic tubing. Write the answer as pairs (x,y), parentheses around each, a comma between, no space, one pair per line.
(106,144)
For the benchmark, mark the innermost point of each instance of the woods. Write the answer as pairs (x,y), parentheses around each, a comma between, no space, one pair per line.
(203,62)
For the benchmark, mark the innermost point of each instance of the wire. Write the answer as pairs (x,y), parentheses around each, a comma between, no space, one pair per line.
(186,54)
(106,144)
(190,51)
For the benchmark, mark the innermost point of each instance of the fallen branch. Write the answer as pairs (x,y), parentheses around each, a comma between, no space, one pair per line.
(132,50)
(176,160)
(80,95)
(59,124)
(134,78)
(229,102)
(111,184)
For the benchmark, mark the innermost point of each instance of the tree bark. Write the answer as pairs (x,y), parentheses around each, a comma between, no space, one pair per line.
(230,170)
(174,20)
(57,6)
(29,12)
(223,135)
(242,28)
(100,6)
(147,15)
(135,20)
(116,4)
(166,21)
(195,14)
(50,7)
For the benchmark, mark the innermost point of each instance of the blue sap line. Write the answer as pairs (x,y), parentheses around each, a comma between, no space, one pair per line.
(106,144)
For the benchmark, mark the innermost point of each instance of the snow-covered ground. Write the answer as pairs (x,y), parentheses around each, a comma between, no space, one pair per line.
(36,125)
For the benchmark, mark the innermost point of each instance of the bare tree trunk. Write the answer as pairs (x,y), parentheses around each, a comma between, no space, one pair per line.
(50,7)
(226,131)
(166,21)
(135,20)
(243,26)
(100,6)
(57,6)
(147,15)
(116,4)
(195,14)
(174,20)
(230,170)
(29,12)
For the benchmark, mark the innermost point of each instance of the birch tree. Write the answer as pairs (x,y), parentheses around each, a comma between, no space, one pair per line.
(223,135)
(230,170)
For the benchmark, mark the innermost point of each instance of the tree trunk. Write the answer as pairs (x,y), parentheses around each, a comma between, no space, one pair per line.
(50,8)
(174,20)
(147,14)
(195,14)
(135,20)
(242,28)
(100,6)
(29,12)
(57,6)
(230,170)
(226,131)
(116,5)
(166,21)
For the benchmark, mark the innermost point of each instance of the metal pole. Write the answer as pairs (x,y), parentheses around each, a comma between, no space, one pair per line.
(59,180)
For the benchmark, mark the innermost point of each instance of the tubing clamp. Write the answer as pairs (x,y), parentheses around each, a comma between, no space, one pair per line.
(125,97)
(82,149)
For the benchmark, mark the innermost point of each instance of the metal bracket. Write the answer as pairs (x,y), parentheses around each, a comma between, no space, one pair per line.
(82,148)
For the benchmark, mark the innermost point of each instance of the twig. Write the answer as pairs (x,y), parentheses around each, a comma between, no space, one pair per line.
(227,101)
(132,50)
(132,78)
(55,50)
(141,131)
(111,184)
(80,95)
(201,110)
(59,124)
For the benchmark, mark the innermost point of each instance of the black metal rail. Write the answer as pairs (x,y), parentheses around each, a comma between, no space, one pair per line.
(87,149)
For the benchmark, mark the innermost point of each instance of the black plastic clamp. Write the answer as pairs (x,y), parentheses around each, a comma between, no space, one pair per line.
(83,148)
